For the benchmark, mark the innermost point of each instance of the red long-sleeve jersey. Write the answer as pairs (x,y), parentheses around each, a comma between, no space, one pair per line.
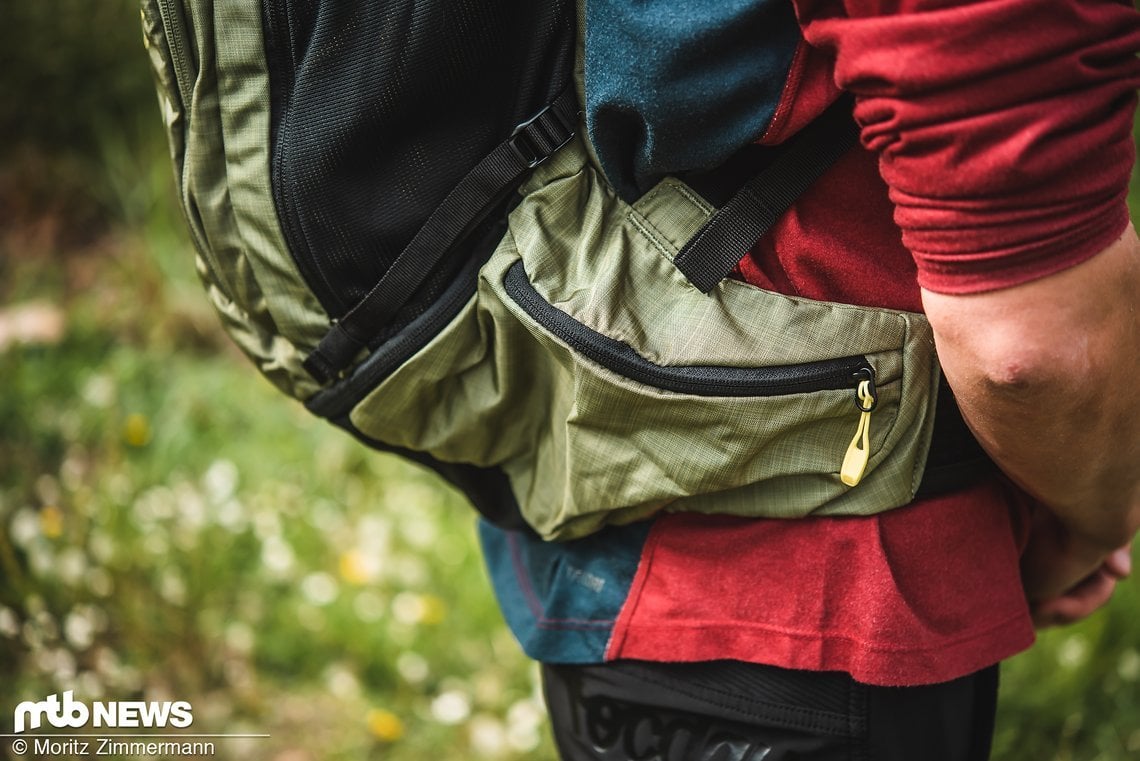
(997,150)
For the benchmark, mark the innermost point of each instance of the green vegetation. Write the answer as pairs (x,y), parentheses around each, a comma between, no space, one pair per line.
(173,529)
(170,527)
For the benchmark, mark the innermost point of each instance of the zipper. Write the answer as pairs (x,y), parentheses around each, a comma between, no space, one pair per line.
(280,51)
(181,56)
(174,27)
(859,450)
(697,380)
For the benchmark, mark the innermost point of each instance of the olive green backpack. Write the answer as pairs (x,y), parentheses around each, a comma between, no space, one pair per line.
(397,218)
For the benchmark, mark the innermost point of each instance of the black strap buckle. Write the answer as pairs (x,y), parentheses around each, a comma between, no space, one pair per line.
(539,137)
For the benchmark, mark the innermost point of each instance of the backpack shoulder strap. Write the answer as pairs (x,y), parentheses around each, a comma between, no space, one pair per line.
(711,254)
(480,190)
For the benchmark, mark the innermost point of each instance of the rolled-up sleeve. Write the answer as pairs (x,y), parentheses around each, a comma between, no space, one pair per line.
(1003,127)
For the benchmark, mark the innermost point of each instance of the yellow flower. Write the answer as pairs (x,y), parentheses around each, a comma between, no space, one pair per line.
(51,522)
(136,430)
(434,610)
(353,568)
(385,725)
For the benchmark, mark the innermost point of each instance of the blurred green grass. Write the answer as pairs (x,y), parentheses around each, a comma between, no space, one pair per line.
(172,528)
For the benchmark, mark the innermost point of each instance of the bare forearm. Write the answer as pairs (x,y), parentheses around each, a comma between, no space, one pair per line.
(1048,376)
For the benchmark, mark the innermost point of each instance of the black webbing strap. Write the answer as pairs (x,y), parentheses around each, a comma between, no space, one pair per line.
(718,246)
(488,183)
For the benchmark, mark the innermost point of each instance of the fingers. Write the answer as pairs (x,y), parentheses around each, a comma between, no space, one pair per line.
(1056,560)
(1079,602)
(1119,563)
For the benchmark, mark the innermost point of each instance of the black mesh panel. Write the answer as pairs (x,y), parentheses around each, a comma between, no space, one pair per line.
(380,108)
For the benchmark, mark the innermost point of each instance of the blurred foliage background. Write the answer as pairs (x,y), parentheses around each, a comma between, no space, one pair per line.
(172,529)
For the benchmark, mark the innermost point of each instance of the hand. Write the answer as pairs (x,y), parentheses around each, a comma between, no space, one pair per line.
(1086,596)
(1066,578)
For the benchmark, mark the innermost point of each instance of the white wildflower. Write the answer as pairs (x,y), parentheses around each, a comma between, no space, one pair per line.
(419,532)
(451,707)
(9,624)
(487,736)
(99,391)
(230,515)
(79,627)
(41,559)
(240,638)
(172,588)
(47,489)
(524,723)
(1129,666)
(154,506)
(101,546)
(277,556)
(220,481)
(191,506)
(1073,652)
(408,608)
(341,681)
(319,588)
(71,566)
(412,667)
(25,527)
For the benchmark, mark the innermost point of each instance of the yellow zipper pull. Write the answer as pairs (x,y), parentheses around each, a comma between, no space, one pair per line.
(859,450)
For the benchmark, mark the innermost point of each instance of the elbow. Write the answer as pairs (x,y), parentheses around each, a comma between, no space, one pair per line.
(1017,364)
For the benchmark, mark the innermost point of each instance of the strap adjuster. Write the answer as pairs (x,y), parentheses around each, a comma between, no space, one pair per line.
(539,137)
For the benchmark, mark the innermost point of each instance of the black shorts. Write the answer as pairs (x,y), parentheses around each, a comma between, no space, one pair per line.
(732,711)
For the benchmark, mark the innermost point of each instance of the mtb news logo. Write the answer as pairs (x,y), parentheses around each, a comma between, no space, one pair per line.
(74,714)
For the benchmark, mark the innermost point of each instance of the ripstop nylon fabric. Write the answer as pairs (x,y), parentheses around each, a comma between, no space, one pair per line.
(221,156)
(584,446)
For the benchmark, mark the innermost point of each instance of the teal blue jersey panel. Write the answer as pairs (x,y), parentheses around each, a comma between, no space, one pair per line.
(562,599)
(674,87)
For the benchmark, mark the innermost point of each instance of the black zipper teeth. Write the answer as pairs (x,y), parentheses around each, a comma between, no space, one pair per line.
(175,28)
(697,380)
(279,44)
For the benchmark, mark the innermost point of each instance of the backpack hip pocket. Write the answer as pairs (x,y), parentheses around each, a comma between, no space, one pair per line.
(608,388)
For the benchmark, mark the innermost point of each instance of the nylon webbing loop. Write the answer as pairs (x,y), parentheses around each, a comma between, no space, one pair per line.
(468,203)
(718,246)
